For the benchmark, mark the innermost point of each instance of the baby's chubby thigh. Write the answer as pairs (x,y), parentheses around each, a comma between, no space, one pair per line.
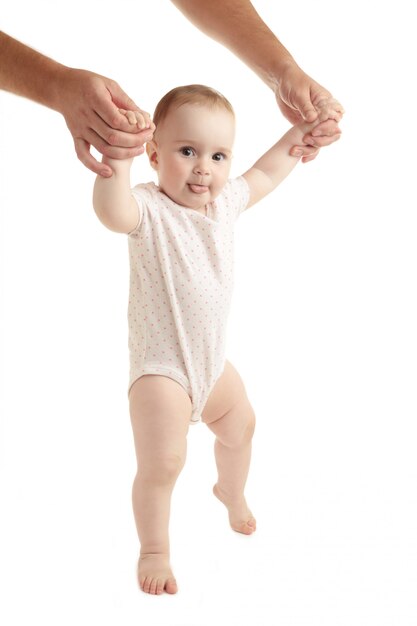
(160,411)
(228,411)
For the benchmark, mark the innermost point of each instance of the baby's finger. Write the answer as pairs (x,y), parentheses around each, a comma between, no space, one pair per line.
(329,108)
(140,119)
(143,119)
(131,117)
(329,102)
(135,118)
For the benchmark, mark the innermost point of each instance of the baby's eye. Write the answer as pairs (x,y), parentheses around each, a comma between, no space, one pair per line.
(218,156)
(187,151)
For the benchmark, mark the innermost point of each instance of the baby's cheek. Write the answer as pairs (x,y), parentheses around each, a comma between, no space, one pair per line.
(178,170)
(225,176)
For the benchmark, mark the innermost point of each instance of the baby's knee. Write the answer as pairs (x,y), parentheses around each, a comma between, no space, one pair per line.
(250,425)
(239,426)
(161,469)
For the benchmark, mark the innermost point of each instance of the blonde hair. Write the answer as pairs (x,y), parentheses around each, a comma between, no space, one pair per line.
(190,94)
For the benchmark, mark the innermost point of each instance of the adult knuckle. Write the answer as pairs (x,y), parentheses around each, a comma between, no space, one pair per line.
(116,122)
(107,151)
(112,138)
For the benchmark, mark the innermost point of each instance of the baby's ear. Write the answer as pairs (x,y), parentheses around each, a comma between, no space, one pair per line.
(152,152)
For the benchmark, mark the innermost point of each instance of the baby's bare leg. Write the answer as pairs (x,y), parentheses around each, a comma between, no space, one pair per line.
(160,412)
(229,414)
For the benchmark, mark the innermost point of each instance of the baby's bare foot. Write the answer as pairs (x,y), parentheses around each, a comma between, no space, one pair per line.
(240,517)
(155,574)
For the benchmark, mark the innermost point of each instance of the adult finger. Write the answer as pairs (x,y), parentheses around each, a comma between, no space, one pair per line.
(120,152)
(124,102)
(123,153)
(310,157)
(304,152)
(323,134)
(115,152)
(307,110)
(323,141)
(296,93)
(82,148)
(108,109)
(327,128)
(139,117)
(104,138)
(120,98)
(111,117)
(306,101)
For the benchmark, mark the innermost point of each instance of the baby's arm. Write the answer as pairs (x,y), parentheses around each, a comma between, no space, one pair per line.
(275,165)
(112,198)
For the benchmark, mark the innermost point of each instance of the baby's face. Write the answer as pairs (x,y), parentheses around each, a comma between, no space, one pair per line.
(192,151)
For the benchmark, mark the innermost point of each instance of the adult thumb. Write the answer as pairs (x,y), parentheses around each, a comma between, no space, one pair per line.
(121,99)
(307,111)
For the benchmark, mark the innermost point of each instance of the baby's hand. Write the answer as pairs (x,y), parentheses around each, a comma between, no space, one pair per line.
(330,112)
(140,118)
(329,109)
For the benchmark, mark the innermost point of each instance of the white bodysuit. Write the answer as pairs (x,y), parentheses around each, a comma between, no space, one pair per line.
(181,279)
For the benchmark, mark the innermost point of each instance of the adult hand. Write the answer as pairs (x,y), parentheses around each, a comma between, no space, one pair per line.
(299,97)
(90,104)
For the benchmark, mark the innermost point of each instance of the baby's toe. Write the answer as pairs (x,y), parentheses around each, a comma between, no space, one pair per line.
(171,586)
(159,586)
(153,586)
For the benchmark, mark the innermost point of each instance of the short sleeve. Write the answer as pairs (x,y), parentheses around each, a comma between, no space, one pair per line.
(237,195)
(139,193)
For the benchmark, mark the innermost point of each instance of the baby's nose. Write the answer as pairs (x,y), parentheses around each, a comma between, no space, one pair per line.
(202,168)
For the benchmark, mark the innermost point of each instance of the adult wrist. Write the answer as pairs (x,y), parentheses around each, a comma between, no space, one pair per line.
(59,87)
(285,66)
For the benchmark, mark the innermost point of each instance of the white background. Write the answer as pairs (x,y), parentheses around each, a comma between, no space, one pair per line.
(323,331)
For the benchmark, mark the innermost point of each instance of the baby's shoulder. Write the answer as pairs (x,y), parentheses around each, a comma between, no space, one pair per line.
(145,191)
(236,188)
(234,195)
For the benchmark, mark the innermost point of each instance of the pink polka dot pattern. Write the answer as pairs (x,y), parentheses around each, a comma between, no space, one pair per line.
(181,280)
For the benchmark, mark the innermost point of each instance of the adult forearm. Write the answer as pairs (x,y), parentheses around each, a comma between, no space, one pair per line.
(28,73)
(237,25)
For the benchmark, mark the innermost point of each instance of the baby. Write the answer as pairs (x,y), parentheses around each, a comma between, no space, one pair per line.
(180,235)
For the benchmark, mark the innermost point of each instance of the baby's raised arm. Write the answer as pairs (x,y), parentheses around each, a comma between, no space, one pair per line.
(275,165)
(112,198)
